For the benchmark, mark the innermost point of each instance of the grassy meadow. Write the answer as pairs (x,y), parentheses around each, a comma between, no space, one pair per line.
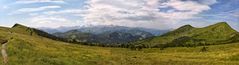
(35,50)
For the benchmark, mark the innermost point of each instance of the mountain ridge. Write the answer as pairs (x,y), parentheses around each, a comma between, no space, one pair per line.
(104,28)
(108,37)
(213,34)
(32,32)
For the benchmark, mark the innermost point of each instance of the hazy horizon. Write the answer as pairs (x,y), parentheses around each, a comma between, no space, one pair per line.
(156,14)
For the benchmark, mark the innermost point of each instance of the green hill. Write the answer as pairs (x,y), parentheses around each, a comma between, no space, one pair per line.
(25,49)
(18,28)
(187,35)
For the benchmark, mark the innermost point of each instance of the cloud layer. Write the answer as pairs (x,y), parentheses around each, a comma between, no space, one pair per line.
(158,14)
(145,13)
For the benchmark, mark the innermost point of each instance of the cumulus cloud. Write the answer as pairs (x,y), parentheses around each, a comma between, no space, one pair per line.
(160,14)
(146,13)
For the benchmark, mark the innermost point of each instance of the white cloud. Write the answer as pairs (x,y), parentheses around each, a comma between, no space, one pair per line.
(5,7)
(39,1)
(75,12)
(37,9)
(34,14)
(145,13)
(208,2)
(185,9)
(49,21)
(29,10)
(160,14)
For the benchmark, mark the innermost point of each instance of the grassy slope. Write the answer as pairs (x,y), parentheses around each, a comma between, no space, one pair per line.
(35,50)
(212,34)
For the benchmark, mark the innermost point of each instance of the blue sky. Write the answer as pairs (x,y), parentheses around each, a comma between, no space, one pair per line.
(158,14)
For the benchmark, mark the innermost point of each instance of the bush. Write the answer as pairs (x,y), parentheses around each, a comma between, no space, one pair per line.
(204,49)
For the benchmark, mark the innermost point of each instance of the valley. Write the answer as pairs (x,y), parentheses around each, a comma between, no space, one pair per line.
(27,49)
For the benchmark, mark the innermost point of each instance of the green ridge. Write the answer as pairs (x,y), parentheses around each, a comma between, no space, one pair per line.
(218,33)
(22,29)
(18,28)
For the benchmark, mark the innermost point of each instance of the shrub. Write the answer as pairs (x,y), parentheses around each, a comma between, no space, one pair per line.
(204,49)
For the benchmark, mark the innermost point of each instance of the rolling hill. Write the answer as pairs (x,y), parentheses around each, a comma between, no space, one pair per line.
(27,49)
(18,28)
(219,33)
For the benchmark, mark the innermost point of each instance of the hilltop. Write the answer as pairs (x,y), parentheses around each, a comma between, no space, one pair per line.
(219,33)
(18,28)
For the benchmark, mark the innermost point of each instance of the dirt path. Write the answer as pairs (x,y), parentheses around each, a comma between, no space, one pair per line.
(4,52)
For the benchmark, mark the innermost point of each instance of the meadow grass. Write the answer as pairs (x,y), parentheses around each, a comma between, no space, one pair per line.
(36,50)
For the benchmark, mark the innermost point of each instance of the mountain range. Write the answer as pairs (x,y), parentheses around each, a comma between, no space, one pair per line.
(104,34)
(107,37)
(103,28)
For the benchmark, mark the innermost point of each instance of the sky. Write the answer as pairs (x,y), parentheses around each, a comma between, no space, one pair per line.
(156,14)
